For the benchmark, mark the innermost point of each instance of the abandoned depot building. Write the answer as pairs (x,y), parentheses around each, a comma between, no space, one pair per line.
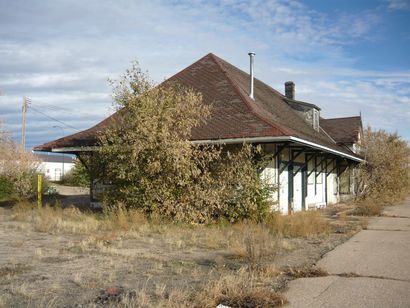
(312,158)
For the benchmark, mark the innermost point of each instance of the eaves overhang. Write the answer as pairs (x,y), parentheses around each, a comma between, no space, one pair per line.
(280,139)
(236,141)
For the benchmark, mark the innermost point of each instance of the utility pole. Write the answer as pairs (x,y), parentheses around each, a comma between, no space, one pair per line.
(23,123)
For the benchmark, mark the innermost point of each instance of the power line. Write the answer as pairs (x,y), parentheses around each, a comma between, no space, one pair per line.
(52,118)
(53,107)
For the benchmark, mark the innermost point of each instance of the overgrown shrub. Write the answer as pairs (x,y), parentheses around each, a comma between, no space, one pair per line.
(18,167)
(385,176)
(147,158)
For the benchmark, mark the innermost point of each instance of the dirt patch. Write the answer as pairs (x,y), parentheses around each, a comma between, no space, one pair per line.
(259,297)
(12,270)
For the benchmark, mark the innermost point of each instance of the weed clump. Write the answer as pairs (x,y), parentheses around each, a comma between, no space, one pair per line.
(254,243)
(300,224)
(243,289)
(305,272)
(368,207)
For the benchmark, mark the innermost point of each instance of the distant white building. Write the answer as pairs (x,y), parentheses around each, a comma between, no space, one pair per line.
(55,166)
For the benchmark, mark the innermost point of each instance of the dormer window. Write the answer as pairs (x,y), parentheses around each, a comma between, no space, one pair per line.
(315,120)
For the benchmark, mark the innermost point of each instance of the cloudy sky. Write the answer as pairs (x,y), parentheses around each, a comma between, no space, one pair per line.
(347,56)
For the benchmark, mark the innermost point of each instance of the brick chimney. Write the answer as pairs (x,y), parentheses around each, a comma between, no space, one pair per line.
(290,89)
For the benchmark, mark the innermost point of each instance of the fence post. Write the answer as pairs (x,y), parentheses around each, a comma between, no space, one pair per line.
(39,190)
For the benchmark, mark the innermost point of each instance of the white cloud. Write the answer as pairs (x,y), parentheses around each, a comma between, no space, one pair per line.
(398,4)
(61,53)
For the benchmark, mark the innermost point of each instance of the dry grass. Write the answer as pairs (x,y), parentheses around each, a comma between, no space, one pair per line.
(86,282)
(300,224)
(71,220)
(255,244)
(55,219)
(242,289)
(12,270)
(249,246)
(305,272)
(250,241)
(368,207)
(158,263)
(142,298)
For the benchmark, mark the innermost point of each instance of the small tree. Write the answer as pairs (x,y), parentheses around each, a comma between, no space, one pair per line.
(151,164)
(385,175)
(78,176)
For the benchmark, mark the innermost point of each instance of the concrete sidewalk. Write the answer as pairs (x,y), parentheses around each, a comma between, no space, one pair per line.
(372,269)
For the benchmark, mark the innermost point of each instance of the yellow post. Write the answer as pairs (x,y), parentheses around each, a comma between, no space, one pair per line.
(39,190)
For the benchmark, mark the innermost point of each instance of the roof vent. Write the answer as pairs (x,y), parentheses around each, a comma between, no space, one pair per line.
(290,89)
(251,57)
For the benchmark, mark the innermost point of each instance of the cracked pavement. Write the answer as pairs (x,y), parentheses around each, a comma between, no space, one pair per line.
(372,269)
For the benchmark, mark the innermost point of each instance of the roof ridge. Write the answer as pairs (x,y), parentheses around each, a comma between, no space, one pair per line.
(189,66)
(281,96)
(273,89)
(327,134)
(245,98)
(351,117)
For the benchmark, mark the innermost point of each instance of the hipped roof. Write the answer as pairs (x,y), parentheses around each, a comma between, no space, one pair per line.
(234,114)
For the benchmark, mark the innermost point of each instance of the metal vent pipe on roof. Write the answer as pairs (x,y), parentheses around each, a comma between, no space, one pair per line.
(251,57)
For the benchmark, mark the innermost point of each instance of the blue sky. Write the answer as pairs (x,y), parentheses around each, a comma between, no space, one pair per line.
(346,56)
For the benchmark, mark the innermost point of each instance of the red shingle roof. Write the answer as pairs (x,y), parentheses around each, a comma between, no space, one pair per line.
(234,114)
